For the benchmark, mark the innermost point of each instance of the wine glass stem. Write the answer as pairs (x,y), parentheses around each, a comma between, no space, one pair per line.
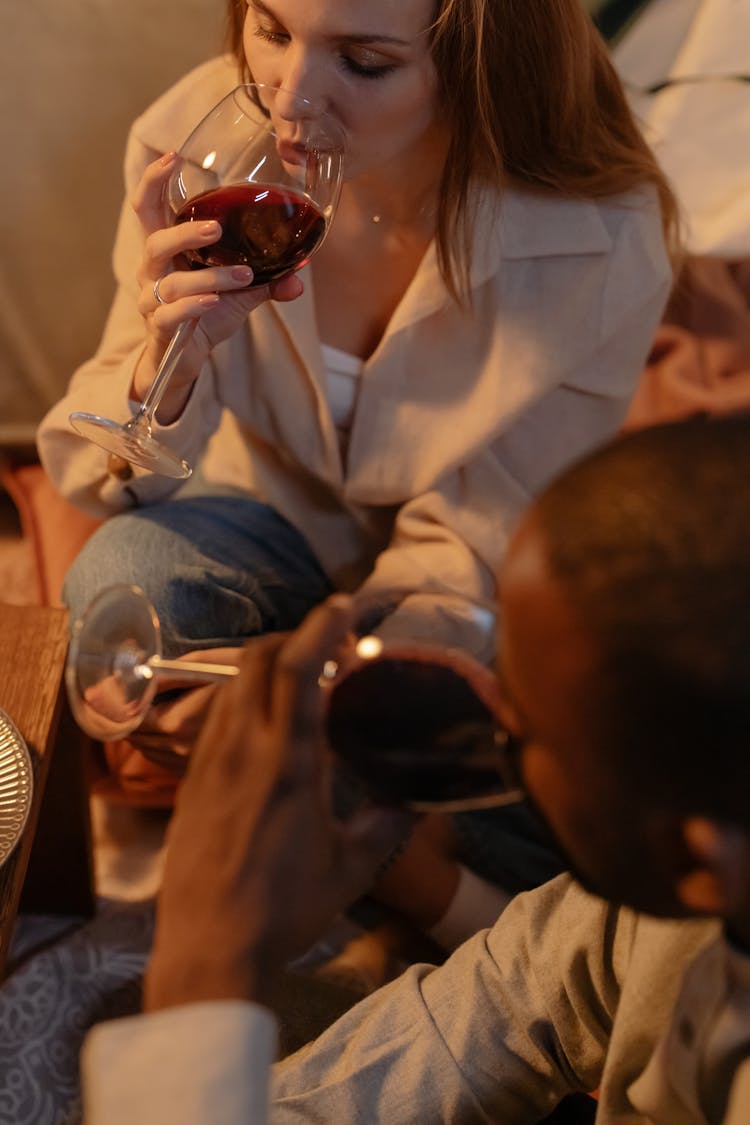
(145,413)
(193,670)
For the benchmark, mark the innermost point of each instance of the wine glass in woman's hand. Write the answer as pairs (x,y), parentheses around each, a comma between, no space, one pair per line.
(267,166)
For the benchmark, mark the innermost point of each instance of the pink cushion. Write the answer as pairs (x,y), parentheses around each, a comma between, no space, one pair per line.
(55,529)
(700,361)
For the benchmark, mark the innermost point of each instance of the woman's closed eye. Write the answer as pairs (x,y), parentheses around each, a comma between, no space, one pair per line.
(366,63)
(271,35)
(363,62)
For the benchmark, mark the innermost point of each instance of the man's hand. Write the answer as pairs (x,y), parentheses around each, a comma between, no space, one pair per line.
(256,865)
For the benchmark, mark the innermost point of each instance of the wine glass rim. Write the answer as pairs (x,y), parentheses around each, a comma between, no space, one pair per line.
(317,114)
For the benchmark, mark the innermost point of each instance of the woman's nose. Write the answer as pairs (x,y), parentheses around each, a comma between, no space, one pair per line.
(302,93)
(294,105)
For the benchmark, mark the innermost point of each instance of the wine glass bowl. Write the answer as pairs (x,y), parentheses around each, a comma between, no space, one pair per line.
(274,205)
(417,725)
(267,166)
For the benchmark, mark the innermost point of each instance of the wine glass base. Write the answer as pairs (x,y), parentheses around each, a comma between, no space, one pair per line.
(110,686)
(143,451)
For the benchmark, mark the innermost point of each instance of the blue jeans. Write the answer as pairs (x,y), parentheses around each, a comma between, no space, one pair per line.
(218,568)
(509,846)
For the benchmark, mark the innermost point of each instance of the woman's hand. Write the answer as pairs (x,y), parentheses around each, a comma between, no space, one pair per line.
(217,298)
(257,866)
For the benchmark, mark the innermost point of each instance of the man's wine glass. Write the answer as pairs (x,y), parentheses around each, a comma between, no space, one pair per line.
(267,166)
(413,722)
(417,723)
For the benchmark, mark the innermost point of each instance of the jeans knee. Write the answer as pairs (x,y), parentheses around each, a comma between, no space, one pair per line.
(120,551)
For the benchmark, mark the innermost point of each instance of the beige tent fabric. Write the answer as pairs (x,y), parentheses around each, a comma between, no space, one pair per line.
(75,74)
(698,129)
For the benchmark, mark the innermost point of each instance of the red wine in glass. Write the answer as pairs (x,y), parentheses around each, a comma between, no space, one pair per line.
(419,729)
(273,230)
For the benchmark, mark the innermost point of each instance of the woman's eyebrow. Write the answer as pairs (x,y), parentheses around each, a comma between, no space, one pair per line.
(363,37)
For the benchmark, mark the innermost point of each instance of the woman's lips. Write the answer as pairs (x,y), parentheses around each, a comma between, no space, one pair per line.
(291,152)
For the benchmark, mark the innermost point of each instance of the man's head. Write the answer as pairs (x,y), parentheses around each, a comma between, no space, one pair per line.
(626,665)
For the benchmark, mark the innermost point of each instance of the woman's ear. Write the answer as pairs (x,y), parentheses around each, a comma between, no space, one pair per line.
(716,881)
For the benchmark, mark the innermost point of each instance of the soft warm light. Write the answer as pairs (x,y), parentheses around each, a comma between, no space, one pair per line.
(369,647)
(209,161)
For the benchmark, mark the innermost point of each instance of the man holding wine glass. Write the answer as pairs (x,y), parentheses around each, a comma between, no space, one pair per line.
(624,679)
(476,317)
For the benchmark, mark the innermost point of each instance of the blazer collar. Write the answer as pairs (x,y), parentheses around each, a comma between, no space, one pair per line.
(515,227)
(524,224)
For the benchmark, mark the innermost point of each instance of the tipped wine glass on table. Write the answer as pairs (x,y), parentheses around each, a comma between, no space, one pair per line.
(414,723)
(267,166)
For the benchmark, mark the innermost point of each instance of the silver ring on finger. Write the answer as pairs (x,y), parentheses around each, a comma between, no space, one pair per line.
(157,294)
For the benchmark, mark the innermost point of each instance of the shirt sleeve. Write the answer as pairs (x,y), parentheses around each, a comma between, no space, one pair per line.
(198,1064)
(519,1016)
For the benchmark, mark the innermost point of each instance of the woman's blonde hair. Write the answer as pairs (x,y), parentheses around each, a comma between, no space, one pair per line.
(529,96)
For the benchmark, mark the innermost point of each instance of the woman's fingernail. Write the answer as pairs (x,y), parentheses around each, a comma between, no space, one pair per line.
(168,158)
(208,300)
(209,229)
(242,273)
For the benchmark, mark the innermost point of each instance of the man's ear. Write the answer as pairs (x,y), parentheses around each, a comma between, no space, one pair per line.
(718,864)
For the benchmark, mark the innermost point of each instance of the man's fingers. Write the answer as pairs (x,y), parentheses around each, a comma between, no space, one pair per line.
(239,717)
(296,695)
(269,716)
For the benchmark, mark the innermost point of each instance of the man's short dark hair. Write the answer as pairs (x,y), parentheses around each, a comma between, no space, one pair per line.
(650,537)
